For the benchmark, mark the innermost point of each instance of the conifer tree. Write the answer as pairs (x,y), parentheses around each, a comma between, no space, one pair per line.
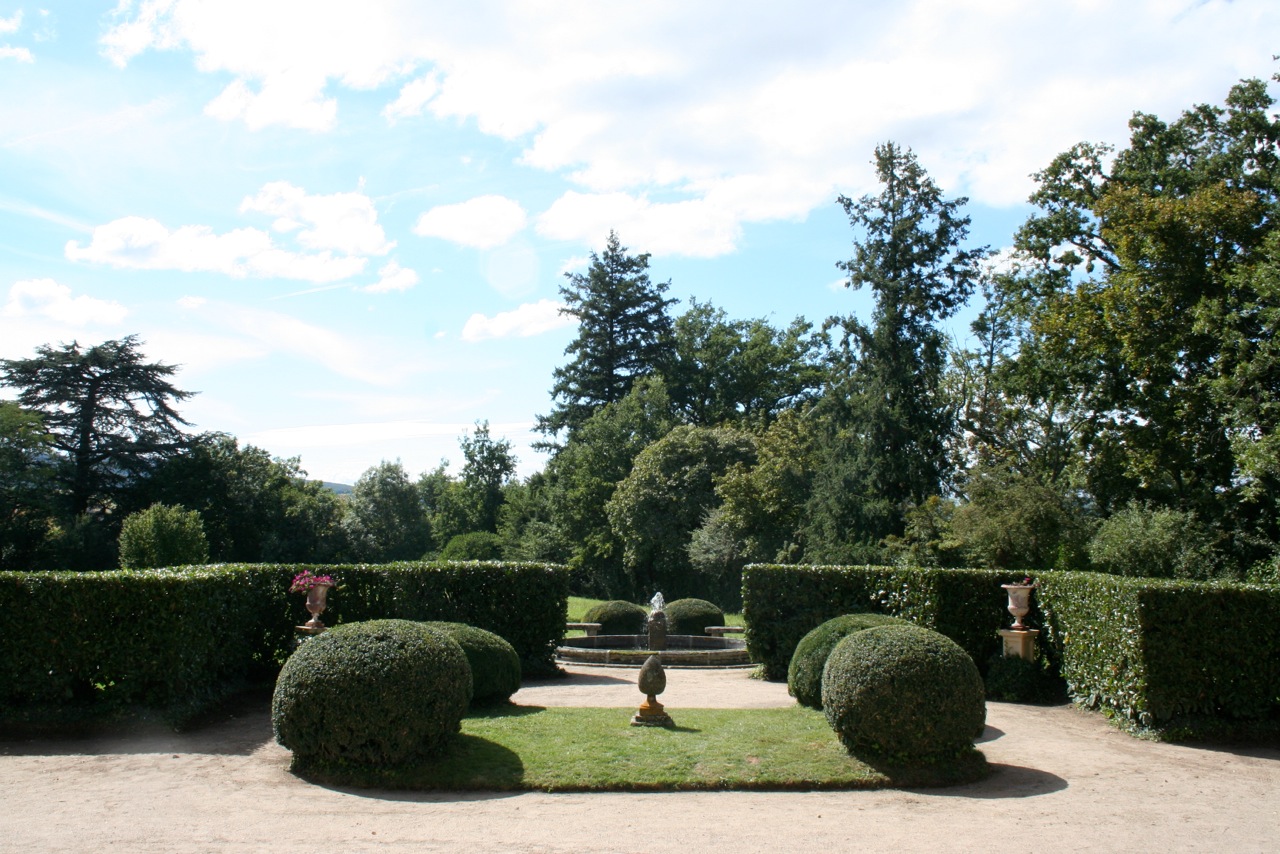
(624,335)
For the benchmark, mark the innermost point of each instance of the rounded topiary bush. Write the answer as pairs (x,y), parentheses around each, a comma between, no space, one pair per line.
(495,665)
(377,693)
(903,694)
(617,617)
(804,675)
(692,616)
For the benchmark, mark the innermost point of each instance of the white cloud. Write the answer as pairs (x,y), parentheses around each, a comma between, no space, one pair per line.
(696,227)
(45,298)
(392,278)
(673,113)
(340,230)
(137,243)
(483,222)
(413,99)
(11,25)
(21,54)
(528,320)
(345,222)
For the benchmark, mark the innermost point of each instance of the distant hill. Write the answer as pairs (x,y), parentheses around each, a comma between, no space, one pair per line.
(338,488)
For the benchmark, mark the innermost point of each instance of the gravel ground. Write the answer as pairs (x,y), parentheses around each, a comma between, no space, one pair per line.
(1064,781)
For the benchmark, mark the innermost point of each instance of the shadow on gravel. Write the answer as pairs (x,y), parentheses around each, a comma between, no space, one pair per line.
(1006,782)
(989,733)
(237,727)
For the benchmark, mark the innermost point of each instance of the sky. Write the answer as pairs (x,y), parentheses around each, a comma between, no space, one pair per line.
(348,223)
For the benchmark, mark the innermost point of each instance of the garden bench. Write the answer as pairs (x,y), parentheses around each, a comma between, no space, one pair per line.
(721,631)
(590,628)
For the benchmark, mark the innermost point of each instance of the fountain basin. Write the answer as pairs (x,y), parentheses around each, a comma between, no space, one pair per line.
(632,651)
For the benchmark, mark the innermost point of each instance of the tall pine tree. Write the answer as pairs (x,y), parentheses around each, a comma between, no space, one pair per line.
(624,334)
(886,448)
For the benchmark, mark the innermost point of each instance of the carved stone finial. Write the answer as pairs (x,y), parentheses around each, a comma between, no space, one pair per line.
(652,682)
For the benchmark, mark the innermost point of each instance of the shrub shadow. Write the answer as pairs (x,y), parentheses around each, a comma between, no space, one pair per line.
(238,726)
(471,768)
(989,733)
(1008,782)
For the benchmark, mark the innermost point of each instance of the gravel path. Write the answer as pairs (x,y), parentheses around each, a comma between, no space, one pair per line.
(1064,781)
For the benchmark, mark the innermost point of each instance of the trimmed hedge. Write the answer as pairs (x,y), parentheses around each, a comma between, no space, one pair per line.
(495,667)
(1180,658)
(804,674)
(617,617)
(781,604)
(177,640)
(692,616)
(903,694)
(377,693)
(1184,658)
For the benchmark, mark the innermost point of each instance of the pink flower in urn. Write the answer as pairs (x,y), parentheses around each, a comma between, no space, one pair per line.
(305,580)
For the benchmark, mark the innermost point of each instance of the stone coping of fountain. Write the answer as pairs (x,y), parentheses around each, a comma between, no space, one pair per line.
(681,651)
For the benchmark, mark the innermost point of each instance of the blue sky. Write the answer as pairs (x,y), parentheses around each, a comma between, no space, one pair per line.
(348,222)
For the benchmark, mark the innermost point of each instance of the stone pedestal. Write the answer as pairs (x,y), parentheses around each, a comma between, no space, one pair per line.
(651,713)
(1020,643)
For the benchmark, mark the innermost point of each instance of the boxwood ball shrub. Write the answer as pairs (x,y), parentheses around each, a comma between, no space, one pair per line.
(804,676)
(378,693)
(903,694)
(495,666)
(692,616)
(617,617)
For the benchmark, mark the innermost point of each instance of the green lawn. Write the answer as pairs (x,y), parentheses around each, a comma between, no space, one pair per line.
(586,750)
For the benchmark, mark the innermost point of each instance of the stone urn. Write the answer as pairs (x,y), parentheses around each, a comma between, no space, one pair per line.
(1019,602)
(317,601)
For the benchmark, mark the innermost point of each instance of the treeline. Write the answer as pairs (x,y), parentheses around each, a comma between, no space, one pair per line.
(1115,411)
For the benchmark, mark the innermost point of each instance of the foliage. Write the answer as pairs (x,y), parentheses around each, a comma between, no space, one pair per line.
(617,617)
(383,692)
(1014,521)
(1015,680)
(763,506)
(105,642)
(624,334)
(742,372)
(1141,307)
(904,694)
(664,499)
(1150,652)
(583,476)
(477,545)
(162,535)
(385,520)
(888,423)
(782,604)
(110,415)
(489,466)
(495,667)
(101,643)
(692,616)
(804,674)
(26,477)
(254,507)
(1153,542)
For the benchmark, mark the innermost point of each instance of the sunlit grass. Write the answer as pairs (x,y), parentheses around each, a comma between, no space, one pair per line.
(576,749)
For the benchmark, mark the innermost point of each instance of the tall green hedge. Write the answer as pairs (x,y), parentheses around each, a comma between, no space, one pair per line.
(1176,656)
(1180,658)
(781,604)
(176,640)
